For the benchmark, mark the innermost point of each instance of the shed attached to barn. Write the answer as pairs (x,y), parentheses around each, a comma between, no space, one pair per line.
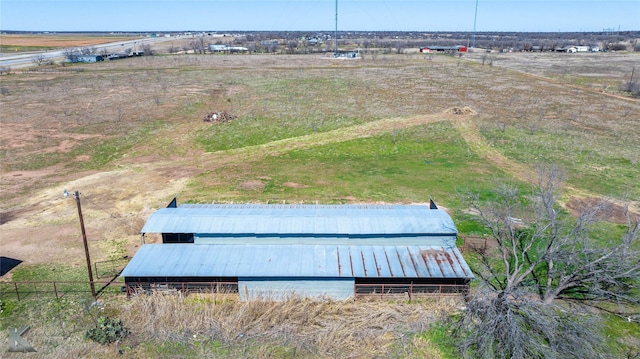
(274,251)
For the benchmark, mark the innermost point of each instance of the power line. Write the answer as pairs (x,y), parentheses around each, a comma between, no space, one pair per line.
(109,214)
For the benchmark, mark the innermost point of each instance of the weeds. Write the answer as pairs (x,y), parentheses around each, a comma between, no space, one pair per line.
(107,331)
(325,328)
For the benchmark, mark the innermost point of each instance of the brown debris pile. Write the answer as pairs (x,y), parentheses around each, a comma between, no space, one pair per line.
(219,117)
(461,111)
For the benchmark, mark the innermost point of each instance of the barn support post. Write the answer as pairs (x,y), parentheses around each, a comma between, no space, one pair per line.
(410,291)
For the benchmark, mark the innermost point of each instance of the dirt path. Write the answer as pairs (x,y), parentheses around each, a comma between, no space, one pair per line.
(471,134)
(44,229)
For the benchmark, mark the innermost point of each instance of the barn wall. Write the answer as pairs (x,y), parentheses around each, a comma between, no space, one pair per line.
(284,288)
(353,240)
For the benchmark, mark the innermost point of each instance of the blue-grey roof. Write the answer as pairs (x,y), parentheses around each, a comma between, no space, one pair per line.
(298,219)
(277,261)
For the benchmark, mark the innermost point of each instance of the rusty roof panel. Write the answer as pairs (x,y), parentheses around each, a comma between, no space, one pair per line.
(327,261)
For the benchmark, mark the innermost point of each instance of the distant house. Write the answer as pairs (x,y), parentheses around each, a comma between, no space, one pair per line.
(314,41)
(118,56)
(569,49)
(227,48)
(218,48)
(275,251)
(432,49)
(84,58)
(345,55)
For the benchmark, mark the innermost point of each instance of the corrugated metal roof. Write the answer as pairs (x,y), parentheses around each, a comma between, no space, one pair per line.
(297,219)
(320,261)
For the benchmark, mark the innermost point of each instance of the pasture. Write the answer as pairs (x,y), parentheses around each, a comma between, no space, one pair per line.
(129,135)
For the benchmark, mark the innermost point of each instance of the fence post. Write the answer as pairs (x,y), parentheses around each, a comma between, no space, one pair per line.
(15,284)
(55,289)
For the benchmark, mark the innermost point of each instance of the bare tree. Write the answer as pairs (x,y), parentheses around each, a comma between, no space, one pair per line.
(633,85)
(88,50)
(71,55)
(39,60)
(292,45)
(202,45)
(147,50)
(194,46)
(545,267)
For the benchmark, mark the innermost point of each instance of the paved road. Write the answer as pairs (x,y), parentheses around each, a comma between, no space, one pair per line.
(28,59)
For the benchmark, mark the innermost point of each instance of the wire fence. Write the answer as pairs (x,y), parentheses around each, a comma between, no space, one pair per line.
(56,289)
(477,244)
(109,268)
(134,288)
(409,291)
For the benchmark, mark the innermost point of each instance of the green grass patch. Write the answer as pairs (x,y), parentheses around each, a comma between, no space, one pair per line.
(105,151)
(49,272)
(624,336)
(100,151)
(600,164)
(408,166)
(251,131)
(440,336)
(468,224)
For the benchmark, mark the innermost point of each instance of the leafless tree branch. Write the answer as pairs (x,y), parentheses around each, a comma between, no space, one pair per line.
(544,260)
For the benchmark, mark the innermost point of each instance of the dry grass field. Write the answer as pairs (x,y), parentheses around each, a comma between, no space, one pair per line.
(600,71)
(17,42)
(129,136)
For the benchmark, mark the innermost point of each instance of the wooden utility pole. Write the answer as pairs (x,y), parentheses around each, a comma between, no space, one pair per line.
(76,194)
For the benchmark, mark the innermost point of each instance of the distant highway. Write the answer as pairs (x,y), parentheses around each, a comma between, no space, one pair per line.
(16,61)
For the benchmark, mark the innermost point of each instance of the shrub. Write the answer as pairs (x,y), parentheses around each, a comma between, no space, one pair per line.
(107,330)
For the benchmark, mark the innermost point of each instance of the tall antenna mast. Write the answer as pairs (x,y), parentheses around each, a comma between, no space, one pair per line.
(473,41)
(335,40)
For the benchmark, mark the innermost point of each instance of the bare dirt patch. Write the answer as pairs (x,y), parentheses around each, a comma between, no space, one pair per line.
(294,185)
(15,136)
(52,113)
(461,111)
(612,212)
(253,185)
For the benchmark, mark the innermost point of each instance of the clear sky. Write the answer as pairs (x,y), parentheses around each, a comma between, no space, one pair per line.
(311,15)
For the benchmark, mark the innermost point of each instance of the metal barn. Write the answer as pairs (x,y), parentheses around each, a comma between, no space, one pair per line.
(275,251)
